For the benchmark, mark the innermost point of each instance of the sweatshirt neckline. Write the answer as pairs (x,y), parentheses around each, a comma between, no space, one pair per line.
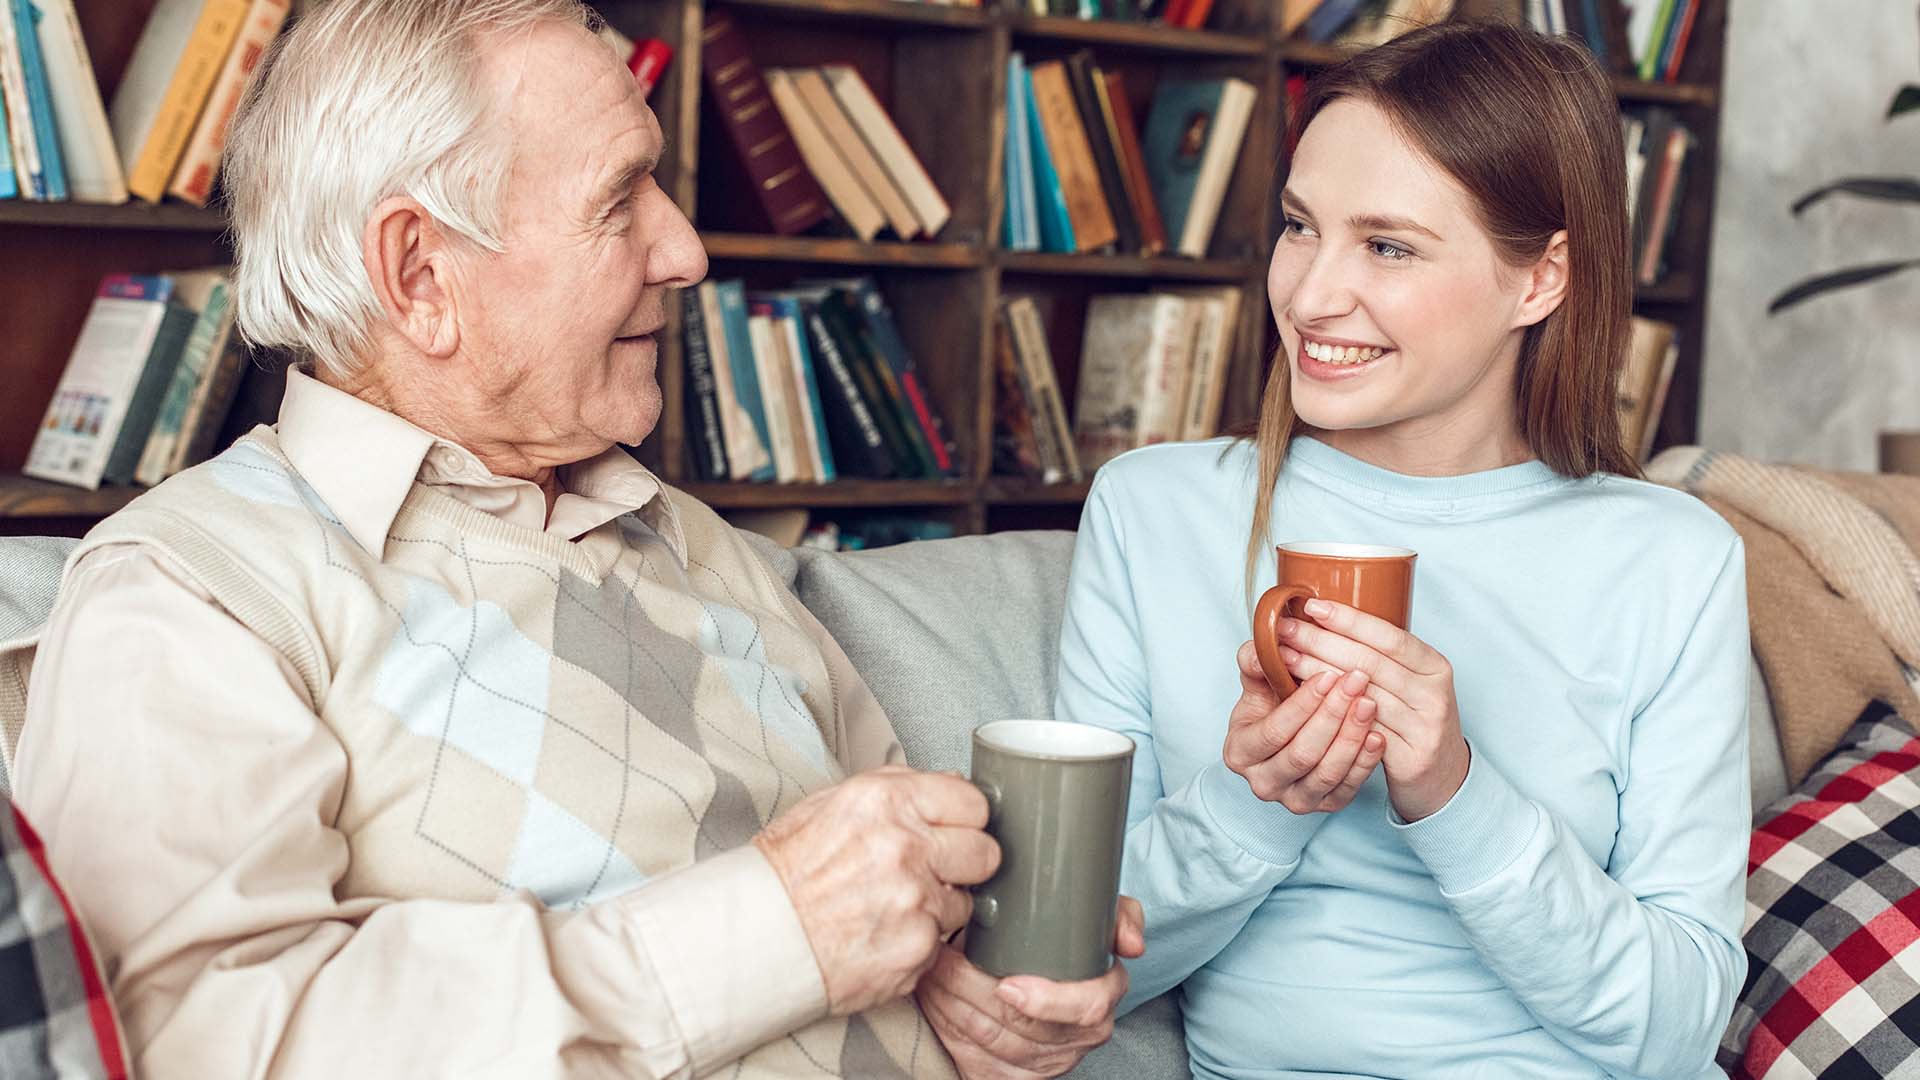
(1341,469)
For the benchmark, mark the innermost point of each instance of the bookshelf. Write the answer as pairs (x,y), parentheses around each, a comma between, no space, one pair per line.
(939,70)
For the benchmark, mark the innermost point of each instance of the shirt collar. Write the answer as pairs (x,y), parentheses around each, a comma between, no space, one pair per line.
(363,460)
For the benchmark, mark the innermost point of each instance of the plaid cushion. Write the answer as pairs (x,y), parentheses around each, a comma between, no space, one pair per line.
(1833,918)
(55,1017)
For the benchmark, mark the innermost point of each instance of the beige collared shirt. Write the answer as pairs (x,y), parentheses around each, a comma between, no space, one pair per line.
(176,767)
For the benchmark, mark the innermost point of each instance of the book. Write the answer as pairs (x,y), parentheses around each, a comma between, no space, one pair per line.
(212,401)
(1022,317)
(26,21)
(1650,35)
(1081,76)
(1056,224)
(813,421)
(1021,225)
(822,158)
(1639,390)
(1213,346)
(784,188)
(200,161)
(903,167)
(746,448)
(209,293)
(23,146)
(9,184)
(705,444)
(1661,219)
(1072,156)
(1131,341)
(775,377)
(103,407)
(647,58)
(919,416)
(1192,140)
(831,116)
(166,84)
(871,374)
(1118,109)
(86,140)
(1330,17)
(859,449)
(1016,447)
(1293,15)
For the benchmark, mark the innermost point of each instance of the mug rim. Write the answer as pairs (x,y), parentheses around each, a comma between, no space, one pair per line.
(1122,745)
(1352,552)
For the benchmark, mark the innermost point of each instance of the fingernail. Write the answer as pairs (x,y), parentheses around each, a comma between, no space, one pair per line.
(1289,655)
(1319,609)
(1288,628)
(1323,682)
(1356,681)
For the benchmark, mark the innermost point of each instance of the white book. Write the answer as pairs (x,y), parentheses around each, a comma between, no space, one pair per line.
(1642,15)
(1216,166)
(1163,399)
(774,399)
(1212,358)
(13,97)
(808,432)
(822,158)
(827,111)
(1126,339)
(903,166)
(86,140)
(143,88)
(744,452)
(1049,408)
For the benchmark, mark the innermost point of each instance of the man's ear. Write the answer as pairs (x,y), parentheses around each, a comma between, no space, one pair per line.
(1546,283)
(409,261)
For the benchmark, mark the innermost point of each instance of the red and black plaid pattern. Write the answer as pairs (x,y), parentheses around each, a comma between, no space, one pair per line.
(1833,919)
(55,1017)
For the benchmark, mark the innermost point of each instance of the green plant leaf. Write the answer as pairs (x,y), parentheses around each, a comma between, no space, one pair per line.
(1839,279)
(1888,188)
(1907,100)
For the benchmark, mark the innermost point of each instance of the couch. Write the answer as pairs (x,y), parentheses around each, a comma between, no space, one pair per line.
(948,633)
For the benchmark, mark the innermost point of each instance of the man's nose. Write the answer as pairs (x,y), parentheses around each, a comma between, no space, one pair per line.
(677,258)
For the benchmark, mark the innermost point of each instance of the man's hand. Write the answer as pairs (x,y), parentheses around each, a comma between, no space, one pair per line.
(1023,1027)
(877,866)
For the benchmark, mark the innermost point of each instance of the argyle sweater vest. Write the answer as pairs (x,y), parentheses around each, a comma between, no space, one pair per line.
(523,712)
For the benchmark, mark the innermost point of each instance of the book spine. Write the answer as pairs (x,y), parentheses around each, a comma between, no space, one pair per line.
(813,417)
(1056,224)
(746,379)
(876,385)
(1023,222)
(1016,449)
(1649,68)
(211,404)
(40,100)
(157,456)
(1093,226)
(86,141)
(893,347)
(1081,75)
(1133,166)
(782,442)
(9,185)
(200,162)
(702,401)
(1671,71)
(1659,215)
(186,95)
(744,450)
(1050,408)
(144,405)
(787,192)
(859,448)
(13,97)
(648,62)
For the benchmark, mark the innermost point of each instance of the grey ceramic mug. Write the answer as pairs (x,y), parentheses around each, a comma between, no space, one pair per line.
(1057,797)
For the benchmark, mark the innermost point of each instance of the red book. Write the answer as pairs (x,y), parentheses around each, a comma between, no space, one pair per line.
(649,59)
(1194,15)
(787,192)
(1672,74)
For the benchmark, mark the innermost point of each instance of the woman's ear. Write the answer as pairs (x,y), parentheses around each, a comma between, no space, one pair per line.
(1546,283)
(408,261)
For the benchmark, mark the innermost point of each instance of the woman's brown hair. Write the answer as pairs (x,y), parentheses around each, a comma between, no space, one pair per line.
(1528,126)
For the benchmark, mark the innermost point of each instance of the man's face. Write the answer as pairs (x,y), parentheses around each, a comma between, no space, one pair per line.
(559,332)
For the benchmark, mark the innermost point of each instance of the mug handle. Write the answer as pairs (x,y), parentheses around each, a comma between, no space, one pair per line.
(1266,633)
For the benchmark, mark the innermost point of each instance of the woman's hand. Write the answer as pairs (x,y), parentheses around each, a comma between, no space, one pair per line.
(1023,1027)
(1412,684)
(1309,753)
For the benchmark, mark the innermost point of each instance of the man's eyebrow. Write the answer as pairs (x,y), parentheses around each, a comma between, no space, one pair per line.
(1367,222)
(628,176)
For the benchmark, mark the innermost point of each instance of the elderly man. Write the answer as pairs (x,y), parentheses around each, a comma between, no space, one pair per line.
(428,734)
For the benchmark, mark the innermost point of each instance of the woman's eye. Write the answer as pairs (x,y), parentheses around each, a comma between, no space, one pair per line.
(1294,225)
(1389,250)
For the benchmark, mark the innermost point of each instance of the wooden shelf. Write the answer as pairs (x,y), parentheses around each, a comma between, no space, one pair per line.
(1662,93)
(1677,288)
(750,247)
(1009,491)
(25,497)
(173,216)
(839,495)
(1127,266)
(916,12)
(1138,36)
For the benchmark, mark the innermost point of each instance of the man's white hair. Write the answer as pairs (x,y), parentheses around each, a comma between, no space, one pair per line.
(362,100)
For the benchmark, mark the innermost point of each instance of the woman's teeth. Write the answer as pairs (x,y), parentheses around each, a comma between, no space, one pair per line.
(1336,354)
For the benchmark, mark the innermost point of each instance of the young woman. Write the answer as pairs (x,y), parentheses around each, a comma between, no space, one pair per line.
(1510,841)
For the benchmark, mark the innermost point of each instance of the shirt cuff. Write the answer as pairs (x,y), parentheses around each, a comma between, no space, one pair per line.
(730,955)
(1477,834)
(1267,831)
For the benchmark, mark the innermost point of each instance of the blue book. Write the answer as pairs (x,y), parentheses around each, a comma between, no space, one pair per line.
(794,316)
(1331,17)
(746,383)
(1056,228)
(46,137)
(1174,144)
(1023,227)
(8,188)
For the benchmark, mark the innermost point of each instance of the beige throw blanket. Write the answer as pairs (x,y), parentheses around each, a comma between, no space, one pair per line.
(1833,587)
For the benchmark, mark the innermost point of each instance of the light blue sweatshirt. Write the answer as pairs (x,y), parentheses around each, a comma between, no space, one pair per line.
(1573,911)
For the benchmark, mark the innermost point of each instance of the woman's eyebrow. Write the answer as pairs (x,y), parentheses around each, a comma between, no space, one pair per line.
(1365,222)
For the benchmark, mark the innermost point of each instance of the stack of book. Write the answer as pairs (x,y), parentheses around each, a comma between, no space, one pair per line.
(148,385)
(1153,368)
(1645,39)
(1652,354)
(1658,148)
(805,385)
(1184,14)
(164,131)
(1080,176)
(1359,23)
(817,144)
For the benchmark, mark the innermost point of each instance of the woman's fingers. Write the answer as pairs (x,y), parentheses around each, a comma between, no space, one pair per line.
(1342,754)
(1298,755)
(1373,748)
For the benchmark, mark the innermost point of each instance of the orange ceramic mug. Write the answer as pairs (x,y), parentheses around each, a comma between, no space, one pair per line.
(1377,580)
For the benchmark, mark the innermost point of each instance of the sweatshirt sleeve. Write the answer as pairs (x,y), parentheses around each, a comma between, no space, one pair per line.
(1635,964)
(189,807)
(1200,858)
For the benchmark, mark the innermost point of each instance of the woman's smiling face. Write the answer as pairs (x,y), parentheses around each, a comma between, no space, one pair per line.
(1394,310)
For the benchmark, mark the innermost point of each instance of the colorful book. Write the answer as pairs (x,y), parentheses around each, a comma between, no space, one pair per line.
(9,184)
(26,21)
(92,164)
(1056,224)
(1066,139)
(1081,77)
(24,147)
(103,408)
(1021,227)
(732,299)
(859,448)
(1131,342)
(903,166)
(823,158)
(892,347)
(1194,131)
(912,459)
(813,420)
(166,85)
(209,293)
(785,190)
(200,161)
(776,379)
(1117,108)
(746,448)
